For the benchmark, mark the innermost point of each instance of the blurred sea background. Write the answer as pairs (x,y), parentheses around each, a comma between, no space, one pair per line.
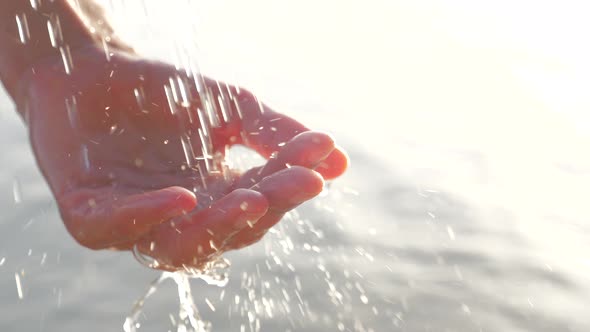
(465,207)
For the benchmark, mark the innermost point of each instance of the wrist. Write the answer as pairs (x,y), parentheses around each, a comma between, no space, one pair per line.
(30,34)
(50,31)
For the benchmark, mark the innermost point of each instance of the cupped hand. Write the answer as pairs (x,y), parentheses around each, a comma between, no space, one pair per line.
(134,151)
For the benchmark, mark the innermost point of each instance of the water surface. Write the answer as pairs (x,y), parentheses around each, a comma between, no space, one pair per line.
(465,208)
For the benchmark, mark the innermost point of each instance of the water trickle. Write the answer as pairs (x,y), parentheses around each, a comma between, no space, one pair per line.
(188,319)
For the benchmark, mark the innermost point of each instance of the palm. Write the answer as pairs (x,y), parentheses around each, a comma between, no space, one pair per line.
(132,162)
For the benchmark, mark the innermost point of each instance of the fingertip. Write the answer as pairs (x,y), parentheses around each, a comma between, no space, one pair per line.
(290,187)
(172,201)
(316,183)
(318,138)
(334,165)
(250,202)
(183,197)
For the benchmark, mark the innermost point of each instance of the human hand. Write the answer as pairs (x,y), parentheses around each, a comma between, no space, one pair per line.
(131,162)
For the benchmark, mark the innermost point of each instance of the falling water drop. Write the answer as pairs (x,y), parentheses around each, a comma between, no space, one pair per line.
(72,109)
(238,108)
(451,233)
(210,108)
(170,97)
(174,90)
(203,122)
(206,150)
(184,92)
(223,100)
(23,28)
(140,99)
(66,57)
(105,46)
(198,79)
(223,104)
(85,158)
(187,147)
(35,4)
(55,32)
(19,288)
(16,191)
(260,105)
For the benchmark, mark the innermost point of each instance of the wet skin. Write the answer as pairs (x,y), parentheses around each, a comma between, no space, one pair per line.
(116,166)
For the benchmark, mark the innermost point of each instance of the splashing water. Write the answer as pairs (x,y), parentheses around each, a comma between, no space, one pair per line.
(214,273)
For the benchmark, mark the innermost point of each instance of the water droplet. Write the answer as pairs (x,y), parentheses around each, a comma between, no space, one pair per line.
(206,147)
(170,97)
(224,108)
(35,4)
(54,30)
(260,106)
(451,233)
(23,28)
(244,206)
(19,288)
(105,47)
(140,99)
(72,109)
(210,304)
(185,95)
(364,299)
(187,147)
(138,162)
(85,158)
(66,57)
(210,108)
(465,308)
(16,191)
(238,108)
(92,202)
